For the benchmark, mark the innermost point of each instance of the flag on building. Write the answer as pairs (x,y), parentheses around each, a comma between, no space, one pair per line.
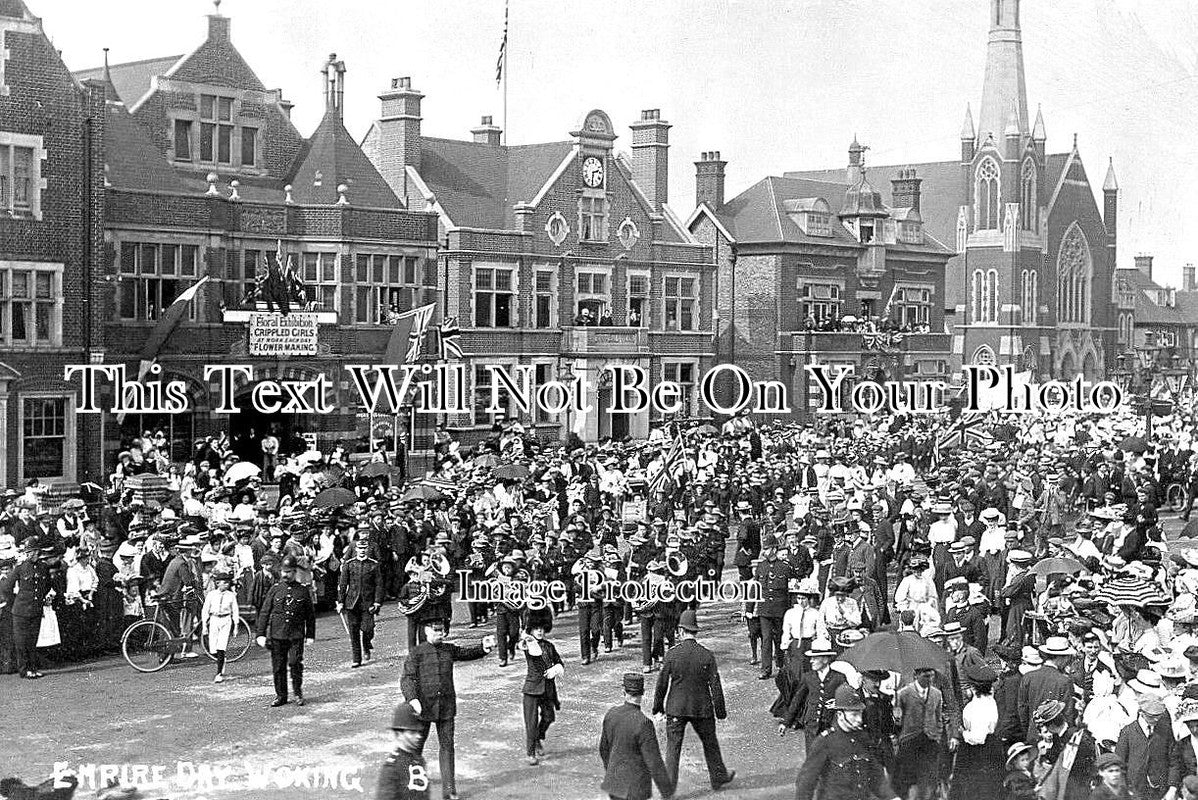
(404,345)
(167,322)
(502,61)
(451,339)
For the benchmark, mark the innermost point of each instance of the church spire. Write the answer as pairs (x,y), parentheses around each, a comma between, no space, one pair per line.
(1005,86)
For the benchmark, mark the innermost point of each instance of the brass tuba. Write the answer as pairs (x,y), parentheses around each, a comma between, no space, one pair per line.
(676,564)
(416,603)
(649,599)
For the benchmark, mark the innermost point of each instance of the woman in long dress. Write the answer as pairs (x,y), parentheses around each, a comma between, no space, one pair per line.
(978,771)
(219,617)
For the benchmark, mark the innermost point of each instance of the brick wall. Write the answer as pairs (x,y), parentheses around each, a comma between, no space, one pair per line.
(42,99)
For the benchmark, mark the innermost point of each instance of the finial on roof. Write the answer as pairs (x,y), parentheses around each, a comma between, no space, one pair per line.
(342,200)
(1075,142)
(1038,132)
(216,3)
(1111,184)
(211,184)
(288,198)
(967,129)
(234,186)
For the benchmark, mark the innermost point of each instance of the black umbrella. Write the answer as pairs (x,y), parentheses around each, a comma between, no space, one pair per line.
(376,469)
(332,498)
(903,652)
(1134,444)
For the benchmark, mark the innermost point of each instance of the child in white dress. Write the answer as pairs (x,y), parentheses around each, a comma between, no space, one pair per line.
(219,618)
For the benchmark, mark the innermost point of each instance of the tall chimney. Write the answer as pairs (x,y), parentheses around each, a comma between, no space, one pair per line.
(334,86)
(1189,281)
(399,134)
(218,27)
(1144,265)
(488,133)
(906,189)
(709,180)
(650,156)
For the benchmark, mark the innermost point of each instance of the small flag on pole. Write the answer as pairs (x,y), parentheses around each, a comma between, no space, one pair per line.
(670,461)
(423,316)
(451,339)
(502,61)
(404,345)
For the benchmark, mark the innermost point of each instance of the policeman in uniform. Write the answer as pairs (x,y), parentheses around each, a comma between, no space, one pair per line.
(25,590)
(842,763)
(632,760)
(403,775)
(359,597)
(773,575)
(285,624)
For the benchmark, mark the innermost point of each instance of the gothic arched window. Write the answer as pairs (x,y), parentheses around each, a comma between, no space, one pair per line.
(1029,215)
(992,299)
(1075,269)
(984,356)
(987,196)
(977,303)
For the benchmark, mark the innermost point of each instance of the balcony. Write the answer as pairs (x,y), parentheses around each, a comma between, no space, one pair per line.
(604,340)
(856,343)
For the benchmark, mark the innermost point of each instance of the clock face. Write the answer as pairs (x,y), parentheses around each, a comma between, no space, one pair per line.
(592,171)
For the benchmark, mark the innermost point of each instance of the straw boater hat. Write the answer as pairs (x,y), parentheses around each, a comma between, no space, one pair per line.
(1146,682)
(1019,748)
(1187,711)
(820,647)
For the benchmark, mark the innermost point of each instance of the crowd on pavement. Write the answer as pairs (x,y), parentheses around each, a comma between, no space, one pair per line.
(996,614)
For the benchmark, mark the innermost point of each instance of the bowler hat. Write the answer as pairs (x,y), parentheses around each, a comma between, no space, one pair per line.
(688,622)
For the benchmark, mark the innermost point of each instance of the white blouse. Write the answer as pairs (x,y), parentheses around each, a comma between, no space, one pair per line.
(979,719)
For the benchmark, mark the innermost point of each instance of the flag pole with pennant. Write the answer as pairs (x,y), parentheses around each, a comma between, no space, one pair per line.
(501,69)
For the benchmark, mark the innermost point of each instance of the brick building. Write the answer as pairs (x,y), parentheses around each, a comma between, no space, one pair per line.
(796,253)
(206,176)
(1032,282)
(541,237)
(51,245)
(1156,317)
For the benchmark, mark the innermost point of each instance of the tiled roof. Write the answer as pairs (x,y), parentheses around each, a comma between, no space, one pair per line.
(333,153)
(759,214)
(132,160)
(1148,311)
(477,184)
(132,80)
(13,8)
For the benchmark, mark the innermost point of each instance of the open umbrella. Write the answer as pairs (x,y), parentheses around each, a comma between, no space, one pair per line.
(1190,531)
(510,472)
(421,491)
(1134,444)
(334,497)
(241,471)
(376,469)
(1058,566)
(902,651)
(1129,590)
(707,430)
(486,460)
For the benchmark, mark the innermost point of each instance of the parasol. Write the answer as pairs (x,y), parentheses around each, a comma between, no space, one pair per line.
(707,430)
(421,491)
(903,652)
(1134,444)
(486,460)
(1058,566)
(516,472)
(334,497)
(241,471)
(1129,590)
(376,469)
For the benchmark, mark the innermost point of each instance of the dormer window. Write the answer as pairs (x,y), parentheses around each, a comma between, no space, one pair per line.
(819,223)
(812,215)
(213,134)
(865,231)
(911,232)
(216,129)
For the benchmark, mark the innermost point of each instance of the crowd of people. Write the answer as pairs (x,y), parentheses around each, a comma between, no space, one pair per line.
(1053,625)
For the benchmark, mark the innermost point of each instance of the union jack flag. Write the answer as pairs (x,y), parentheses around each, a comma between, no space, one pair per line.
(670,461)
(451,339)
(968,429)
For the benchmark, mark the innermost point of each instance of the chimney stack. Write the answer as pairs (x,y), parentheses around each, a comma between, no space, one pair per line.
(650,157)
(218,27)
(334,86)
(487,133)
(1144,265)
(399,137)
(905,189)
(1189,281)
(709,180)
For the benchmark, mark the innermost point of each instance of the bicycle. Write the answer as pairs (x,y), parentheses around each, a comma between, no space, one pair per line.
(148,645)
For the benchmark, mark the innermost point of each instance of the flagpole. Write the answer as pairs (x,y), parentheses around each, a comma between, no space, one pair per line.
(505,51)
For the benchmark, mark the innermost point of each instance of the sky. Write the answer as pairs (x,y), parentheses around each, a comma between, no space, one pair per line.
(774,85)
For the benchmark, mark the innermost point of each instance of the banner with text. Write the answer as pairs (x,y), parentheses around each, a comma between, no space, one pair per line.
(279,335)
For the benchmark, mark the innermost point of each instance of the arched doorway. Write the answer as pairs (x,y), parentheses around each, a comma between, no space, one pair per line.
(1068,367)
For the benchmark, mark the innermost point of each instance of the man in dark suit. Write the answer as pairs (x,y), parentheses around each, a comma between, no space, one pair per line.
(809,707)
(1183,765)
(748,540)
(285,624)
(24,591)
(689,691)
(1048,682)
(359,598)
(632,760)
(427,684)
(540,684)
(1144,746)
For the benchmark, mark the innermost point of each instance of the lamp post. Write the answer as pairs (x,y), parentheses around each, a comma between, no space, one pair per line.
(1150,370)
(565,374)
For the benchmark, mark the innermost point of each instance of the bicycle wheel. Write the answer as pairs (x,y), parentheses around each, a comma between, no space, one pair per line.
(147,646)
(239,641)
(1175,497)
